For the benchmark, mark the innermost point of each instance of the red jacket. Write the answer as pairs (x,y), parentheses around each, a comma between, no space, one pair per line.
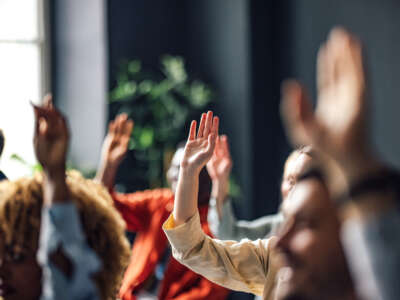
(145,212)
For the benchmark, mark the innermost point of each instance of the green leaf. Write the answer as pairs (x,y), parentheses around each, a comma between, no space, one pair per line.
(134,66)
(174,68)
(146,138)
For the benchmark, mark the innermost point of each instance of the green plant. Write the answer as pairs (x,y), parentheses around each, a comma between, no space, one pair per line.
(161,104)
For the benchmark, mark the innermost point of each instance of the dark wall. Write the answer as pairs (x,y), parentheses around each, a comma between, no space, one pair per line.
(245,49)
(378,25)
(145,30)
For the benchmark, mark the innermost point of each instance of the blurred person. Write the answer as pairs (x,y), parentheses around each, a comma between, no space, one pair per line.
(2,142)
(223,223)
(221,218)
(365,189)
(59,236)
(310,244)
(251,266)
(153,273)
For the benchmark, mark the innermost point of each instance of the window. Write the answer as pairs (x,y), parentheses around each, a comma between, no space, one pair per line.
(22,69)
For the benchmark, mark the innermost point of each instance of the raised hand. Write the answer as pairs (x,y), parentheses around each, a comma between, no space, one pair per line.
(199,149)
(116,142)
(219,168)
(338,126)
(51,137)
(220,165)
(51,145)
(114,149)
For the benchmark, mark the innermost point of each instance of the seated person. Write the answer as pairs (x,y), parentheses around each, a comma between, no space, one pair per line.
(153,273)
(59,236)
(251,266)
(2,142)
(366,190)
(223,223)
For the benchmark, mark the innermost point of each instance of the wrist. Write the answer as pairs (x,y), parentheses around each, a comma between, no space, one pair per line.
(187,170)
(55,174)
(220,189)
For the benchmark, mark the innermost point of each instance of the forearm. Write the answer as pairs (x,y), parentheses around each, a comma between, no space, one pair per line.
(219,192)
(106,174)
(186,195)
(55,188)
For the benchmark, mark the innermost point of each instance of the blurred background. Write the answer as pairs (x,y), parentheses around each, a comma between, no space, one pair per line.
(163,62)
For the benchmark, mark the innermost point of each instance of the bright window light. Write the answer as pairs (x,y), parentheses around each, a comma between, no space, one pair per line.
(21,77)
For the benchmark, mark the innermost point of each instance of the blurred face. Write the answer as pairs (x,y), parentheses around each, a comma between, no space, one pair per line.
(294,166)
(173,171)
(310,245)
(20,276)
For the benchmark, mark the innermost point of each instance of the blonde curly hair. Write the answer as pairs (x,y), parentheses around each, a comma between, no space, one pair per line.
(20,215)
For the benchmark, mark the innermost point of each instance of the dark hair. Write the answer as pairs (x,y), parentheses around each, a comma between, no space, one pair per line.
(2,141)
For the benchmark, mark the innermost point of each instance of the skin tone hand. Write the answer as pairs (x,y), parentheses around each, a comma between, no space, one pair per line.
(51,140)
(115,147)
(198,151)
(338,126)
(219,168)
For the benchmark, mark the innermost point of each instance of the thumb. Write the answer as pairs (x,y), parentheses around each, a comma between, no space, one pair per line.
(43,127)
(297,114)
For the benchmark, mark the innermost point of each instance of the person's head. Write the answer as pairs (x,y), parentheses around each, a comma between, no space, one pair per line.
(2,142)
(204,178)
(310,244)
(297,161)
(20,218)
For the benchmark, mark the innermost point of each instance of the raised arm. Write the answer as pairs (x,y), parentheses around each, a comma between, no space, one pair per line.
(198,151)
(114,149)
(67,261)
(219,168)
(51,144)
(221,218)
(338,129)
(245,266)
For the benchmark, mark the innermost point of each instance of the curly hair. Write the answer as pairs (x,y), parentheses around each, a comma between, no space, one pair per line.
(20,215)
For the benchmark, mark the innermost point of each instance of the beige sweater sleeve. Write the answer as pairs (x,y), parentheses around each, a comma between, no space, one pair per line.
(242,266)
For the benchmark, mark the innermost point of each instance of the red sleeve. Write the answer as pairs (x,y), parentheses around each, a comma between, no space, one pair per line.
(137,208)
(204,289)
(134,209)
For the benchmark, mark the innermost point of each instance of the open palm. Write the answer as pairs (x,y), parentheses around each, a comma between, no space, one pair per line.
(337,126)
(199,148)
(220,165)
(51,136)
(116,142)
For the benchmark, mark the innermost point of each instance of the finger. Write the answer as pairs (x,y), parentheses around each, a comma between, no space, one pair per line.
(209,122)
(123,116)
(339,41)
(322,80)
(48,101)
(215,126)
(119,124)
(217,150)
(128,128)
(293,114)
(111,127)
(211,143)
(192,131)
(202,125)
(64,125)
(225,145)
(43,127)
